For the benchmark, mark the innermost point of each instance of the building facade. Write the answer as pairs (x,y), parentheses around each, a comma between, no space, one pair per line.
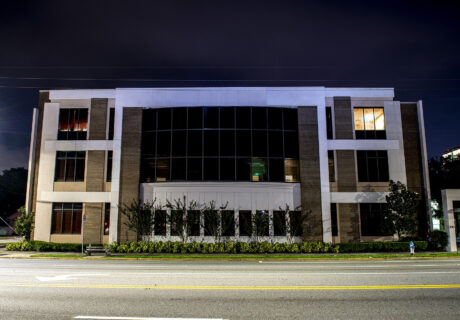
(326,152)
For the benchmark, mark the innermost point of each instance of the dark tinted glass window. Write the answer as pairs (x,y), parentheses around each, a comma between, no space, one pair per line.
(329,122)
(194,169)
(227,143)
(177,223)
(211,142)
(275,118)
(164,118)
(193,223)
(160,223)
(243,143)
(276,170)
(227,117)
(334,226)
(295,218)
(211,169)
(162,170)
(148,170)
(163,143)
(372,219)
(372,166)
(261,223)
(195,118)
(228,223)
(179,118)
(259,143)
(107,219)
(109,166)
(149,119)
(178,172)
(243,117)
(211,117)
(148,143)
(331,165)
(291,145)
(227,169)
(211,222)
(195,143)
(279,223)
(290,119)
(179,143)
(275,143)
(259,118)
(111,123)
(243,169)
(245,221)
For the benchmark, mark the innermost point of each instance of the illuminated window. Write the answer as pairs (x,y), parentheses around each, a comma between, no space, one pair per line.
(73,124)
(369,123)
(258,170)
(291,170)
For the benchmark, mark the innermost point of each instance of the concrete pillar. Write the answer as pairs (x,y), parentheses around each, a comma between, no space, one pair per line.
(448,197)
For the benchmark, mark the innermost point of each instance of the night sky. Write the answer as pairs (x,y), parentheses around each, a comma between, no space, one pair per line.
(412,46)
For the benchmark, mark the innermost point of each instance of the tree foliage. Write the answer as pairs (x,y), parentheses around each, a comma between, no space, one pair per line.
(401,214)
(24,224)
(13,184)
(140,217)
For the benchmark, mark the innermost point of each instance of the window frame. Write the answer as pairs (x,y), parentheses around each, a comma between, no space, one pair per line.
(76,208)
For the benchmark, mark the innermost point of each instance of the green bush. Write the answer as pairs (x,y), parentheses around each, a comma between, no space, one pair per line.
(438,240)
(44,246)
(389,246)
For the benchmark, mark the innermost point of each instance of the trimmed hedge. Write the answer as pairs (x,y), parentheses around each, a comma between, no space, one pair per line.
(228,247)
(44,246)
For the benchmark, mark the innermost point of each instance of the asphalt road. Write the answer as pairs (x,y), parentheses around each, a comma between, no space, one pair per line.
(75,289)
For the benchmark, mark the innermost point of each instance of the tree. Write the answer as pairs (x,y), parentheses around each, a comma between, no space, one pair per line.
(401,214)
(181,222)
(290,222)
(215,223)
(140,217)
(13,184)
(24,224)
(444,174)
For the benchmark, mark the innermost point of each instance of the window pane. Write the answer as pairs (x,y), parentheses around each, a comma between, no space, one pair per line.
(160,223)
(162,170)
(291,145)
(211,166)
(329,122)
(334,226)
(258,170)
(148,143)
(56,221)
(177,225)
(261,223)
(178,169)
(211,143)
(179,118)
(107,219)
(194,169)
(194,143)
(359,118)
(290,119)
(227,117)
(227,169)
(383,166)
(59,174)
(148,170)
(80,170)
(243,169)
(275,143)
(76,222)
(149,119)
(362,166)
(243,143)
(379,119)
(64,120)
(279,223)
(70,170)
(227,143)
(72,120)
(195,118)
(67,221)
(296,223)
(291,169)
(164,118)
(275,118)
(259,118)
(243,117)
(369,119)
(211,220)
(193,223)
(211,117)
(228,223)
(82,124)
(276,170)
(330,156)
(259,143)
(245,223)
(163,143)
(179,143)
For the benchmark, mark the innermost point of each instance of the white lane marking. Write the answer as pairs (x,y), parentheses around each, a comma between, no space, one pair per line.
(141,318)
(69,276)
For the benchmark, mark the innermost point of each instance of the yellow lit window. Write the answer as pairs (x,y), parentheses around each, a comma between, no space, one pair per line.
(379,119)
(359,119)
(291,169)
(369,119)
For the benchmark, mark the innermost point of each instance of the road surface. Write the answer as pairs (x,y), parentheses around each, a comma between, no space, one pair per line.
(76,289)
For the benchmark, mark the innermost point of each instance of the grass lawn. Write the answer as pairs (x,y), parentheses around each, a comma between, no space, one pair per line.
(239,257)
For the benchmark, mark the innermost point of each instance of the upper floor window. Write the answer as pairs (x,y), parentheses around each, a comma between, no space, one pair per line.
(372,166)
(73,124)
(369,123)
(66,218)
(70,166)
(372,219)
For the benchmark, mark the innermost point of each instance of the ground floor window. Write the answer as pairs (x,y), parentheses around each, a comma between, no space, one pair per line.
(160,223)
(372,222)
(245,218)
(334,224)
(295,220)
(261,223)
(66,218)
(107,219)
(279,223)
